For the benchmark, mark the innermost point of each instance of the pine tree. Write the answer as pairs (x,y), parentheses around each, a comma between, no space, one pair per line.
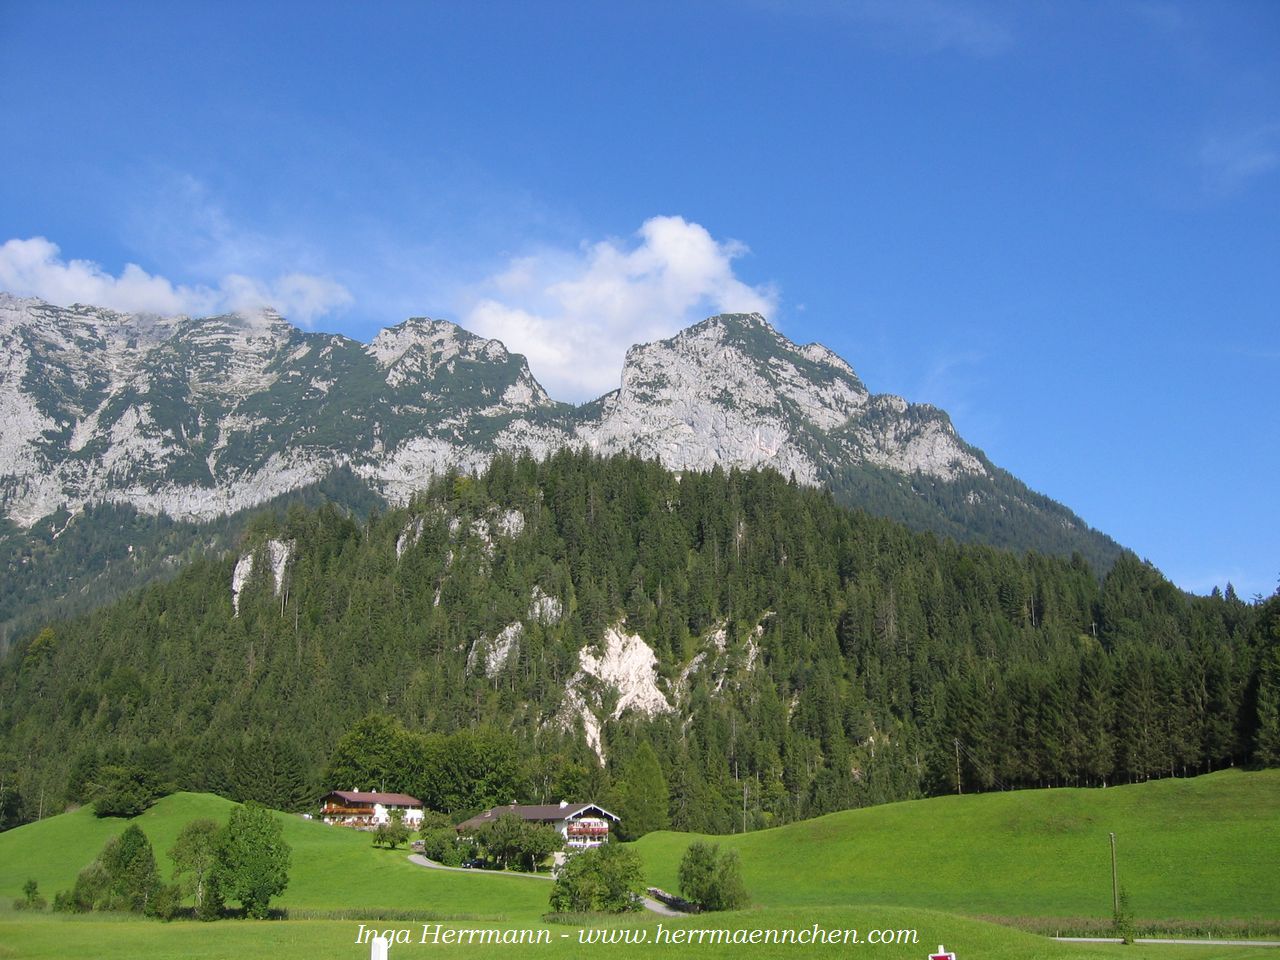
(1267,745)
(644,794)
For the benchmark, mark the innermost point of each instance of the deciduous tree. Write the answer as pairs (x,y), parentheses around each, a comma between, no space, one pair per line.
(604,879)
(195,859)
(253,859)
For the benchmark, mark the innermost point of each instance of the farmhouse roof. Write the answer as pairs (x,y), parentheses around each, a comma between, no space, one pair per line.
(538,813)
(367,796)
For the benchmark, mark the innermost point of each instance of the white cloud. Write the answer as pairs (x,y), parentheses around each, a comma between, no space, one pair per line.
(299,296)
(34,267)
(573,314)
(928,26)
(1230,161)
(937,24)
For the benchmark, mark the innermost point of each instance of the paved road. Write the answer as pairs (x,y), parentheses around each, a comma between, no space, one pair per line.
(422,861)
(660,908)
(1191,943)
(653,906)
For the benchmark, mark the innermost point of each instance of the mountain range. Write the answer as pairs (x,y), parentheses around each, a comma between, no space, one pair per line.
(188,420)
(673,563)
(200,417)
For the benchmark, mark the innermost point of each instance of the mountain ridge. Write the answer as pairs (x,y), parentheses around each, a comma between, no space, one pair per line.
(198,418)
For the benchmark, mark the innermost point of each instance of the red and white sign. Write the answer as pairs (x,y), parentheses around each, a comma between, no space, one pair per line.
(942,954)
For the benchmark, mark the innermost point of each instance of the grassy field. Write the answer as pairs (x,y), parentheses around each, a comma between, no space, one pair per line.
(332,868)
(1199,848)
(1193,849)
(45,938)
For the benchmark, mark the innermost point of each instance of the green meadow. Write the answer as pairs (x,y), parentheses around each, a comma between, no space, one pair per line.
(46,938)
(1193,849)
(332,868)
(1189,849)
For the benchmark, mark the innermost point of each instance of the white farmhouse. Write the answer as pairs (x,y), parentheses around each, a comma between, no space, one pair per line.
(581,824)
(360,808)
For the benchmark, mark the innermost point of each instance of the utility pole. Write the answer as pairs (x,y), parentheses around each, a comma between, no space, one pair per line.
(744,806)
(959,789)
(1115,882)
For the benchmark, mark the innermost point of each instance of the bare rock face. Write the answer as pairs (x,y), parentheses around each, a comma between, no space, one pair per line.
(277,553)
(625,667)
(733,391)
(198,418)
(490,655)
(201,417)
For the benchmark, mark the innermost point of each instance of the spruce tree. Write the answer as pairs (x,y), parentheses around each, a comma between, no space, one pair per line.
(1266,750)
(644,794)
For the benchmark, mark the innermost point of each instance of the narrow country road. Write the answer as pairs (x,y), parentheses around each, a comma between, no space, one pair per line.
(1191,943)
(653,906)
(422,861)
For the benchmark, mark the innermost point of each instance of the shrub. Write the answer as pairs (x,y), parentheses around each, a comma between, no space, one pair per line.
(512,842)
(1122,918)
(127,789)
(167,902)
(605,879)
(89,890)
(124,877)
(442,846)
(392,834)
(30,899)
(710,880)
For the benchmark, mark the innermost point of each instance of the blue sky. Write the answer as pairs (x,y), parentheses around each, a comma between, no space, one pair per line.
(1059,222)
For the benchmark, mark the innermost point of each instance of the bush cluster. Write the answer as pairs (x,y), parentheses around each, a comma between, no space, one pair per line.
(604,879)
(710,879)
(246,860)
(30,899)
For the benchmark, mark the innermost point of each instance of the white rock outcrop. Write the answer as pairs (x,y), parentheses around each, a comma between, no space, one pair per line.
(278,553)
(627,667)
(492,654)
(409,536)
(543,608)
(717,662)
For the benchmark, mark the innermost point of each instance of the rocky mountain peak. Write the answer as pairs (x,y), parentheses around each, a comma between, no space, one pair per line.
(730,323)
(201,417)
(729,390)
(421,349)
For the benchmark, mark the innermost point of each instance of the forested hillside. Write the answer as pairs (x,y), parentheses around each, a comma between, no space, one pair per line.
(547,629)
(137,442)
(67,564)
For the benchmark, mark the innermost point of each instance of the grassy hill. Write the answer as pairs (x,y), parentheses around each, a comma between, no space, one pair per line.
(1196,849)
(1191,848)
(332,868)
